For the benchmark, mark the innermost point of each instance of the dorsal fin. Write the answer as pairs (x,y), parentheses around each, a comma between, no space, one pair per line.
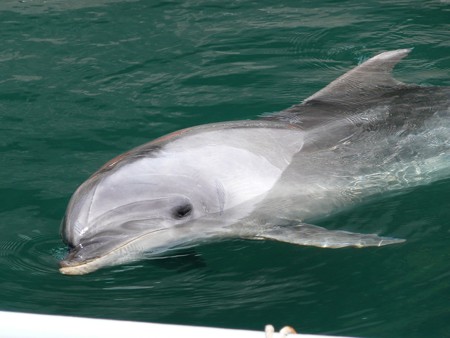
(361,81)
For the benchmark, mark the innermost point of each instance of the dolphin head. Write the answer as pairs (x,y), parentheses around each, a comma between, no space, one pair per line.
(138,205)
(177,190)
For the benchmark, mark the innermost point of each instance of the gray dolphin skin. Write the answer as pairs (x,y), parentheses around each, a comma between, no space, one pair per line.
(365,134)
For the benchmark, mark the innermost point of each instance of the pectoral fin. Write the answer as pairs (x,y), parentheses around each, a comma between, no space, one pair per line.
(307,234)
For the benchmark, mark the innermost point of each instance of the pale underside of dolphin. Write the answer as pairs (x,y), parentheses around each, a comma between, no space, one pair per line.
(363,135)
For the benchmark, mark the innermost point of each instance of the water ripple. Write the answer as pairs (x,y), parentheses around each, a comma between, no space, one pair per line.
(32,254)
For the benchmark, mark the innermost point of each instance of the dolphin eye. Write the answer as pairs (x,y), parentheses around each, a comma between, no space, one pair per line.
(182,211)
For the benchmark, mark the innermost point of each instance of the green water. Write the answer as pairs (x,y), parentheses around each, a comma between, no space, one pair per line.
(83,81)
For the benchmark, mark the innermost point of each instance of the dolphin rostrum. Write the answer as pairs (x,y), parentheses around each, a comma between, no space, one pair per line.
(363,135)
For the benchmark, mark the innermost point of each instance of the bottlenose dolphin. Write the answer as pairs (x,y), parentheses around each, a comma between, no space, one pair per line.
(363,135)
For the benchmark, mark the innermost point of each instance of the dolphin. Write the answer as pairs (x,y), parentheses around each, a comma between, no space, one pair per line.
(364,135)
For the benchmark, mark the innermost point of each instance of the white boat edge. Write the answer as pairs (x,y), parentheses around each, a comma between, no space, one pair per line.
(28,325)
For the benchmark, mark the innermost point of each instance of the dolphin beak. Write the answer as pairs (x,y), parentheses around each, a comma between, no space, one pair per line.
(66,267)
(105,251)
(74,264)
(80,269)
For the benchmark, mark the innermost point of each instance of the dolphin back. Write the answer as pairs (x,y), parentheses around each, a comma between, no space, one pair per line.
(366,88)
(365,134)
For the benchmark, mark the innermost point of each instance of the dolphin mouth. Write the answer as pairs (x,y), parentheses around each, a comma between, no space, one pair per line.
(68,267)
(76,264)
